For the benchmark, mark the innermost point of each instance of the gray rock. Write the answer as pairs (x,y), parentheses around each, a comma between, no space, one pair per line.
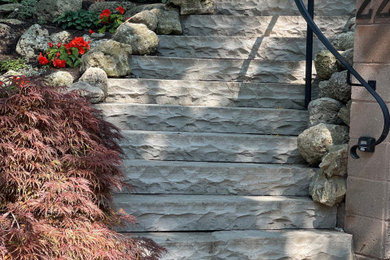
(328,191)
(336,87)
(146,17)
(7,38)
(326,65)
(194,6)
(112,5)
(61,37)
(344,41)
(6,76)
(6,9)
(96,77)
(351,24)
(348,55)
(344,113)
(138,36)
(92,93)
(111,56)
(60,78)
(315,141)
(336,161)
(11,21)
(97,35)
(33,41)
(324,110)
(47,10)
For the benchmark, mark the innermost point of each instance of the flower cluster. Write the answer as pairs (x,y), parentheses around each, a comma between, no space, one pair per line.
(60,55)
(12,84)
(110,21)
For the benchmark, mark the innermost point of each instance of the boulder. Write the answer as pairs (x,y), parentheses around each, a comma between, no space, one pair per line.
(7,38)
(6,9)
(313,143)
(62,37)
(325,64)
(33,41)
(96,77)
(12,21)
(326,191)
(194,6)
(336,161)
(146,17)
(100,6)
(348,55)
(6,77)
(344,113)
(324,110)
(47,10)
(111,56)
(93,93)
(344,41)
(336,87)
(138,36)
(60,78)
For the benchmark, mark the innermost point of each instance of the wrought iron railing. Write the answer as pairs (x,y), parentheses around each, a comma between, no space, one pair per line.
(365,144)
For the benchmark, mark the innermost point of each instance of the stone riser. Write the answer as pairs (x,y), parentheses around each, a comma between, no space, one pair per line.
(218,69)
(211,213)
(198,147)
(205,119)
(259,26)
(255,245)
(212,94)
(267,48)
(159,177)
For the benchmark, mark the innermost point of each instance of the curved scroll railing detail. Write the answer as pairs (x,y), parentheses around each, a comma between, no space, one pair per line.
(365,144)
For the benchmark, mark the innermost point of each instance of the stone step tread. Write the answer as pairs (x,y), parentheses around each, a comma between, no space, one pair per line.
(259,26)
(157,67)
(282,7)
(210,147)
(162,177)
(205,119)
(255,245)
(233,47)
(210,93)
(219,212)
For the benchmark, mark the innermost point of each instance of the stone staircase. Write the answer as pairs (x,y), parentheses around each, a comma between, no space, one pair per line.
(210,128)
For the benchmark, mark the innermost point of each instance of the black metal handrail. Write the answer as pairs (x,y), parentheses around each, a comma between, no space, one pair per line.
(366,144)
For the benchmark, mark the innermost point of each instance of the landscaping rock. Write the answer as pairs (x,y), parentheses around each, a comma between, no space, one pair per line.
(111,56)
(146,17)
(348,55)
(142,40)
(7,38)
(100,6)
(336,87)
(47,10)
(344,113)
(324,110)
(336,161)
(33,41)
(96,77)
(313,143)
(11,21)
(62,37)
(328,191)
(344,41)
(93,93)
(97,35)
(60,78)
(194,6)
(325,64)
(6,9)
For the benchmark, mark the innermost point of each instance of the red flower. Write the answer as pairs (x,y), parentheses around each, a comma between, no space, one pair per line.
(79,43)
(105,13)
(57,63)
(1,83)
(58,45)
(42,60)
(120,9)
(91,31)
(57,54)
(50,45)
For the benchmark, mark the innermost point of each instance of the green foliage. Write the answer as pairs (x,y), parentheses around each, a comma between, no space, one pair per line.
(12,64)
(9,1)
(109,21)
(79,20)
(27,10)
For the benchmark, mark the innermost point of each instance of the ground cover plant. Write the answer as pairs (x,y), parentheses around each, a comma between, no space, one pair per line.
(59,163)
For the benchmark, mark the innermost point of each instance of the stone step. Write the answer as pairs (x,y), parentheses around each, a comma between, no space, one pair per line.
(259,26)
(255,245)
(282,7)
(200,178)
(222,47)
(212,213)
(218,69)
(209,147)
(205,119)
(201,93)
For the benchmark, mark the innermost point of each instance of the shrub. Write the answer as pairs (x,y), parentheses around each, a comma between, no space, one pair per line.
(58,167)
(80,20)
(28,9)
(12,64)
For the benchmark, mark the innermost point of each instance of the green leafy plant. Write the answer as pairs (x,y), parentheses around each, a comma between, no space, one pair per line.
(28,9)
(12,64)
(79,20)
(109,21)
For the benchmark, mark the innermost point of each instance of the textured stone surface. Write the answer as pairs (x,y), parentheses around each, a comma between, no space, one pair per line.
(7,38)
(33,40)
(6,9)
(146,17)
(344,41)
(205,119)
(348,56)
(93,93)
(344,113)
(60,78)
(285,7)
(158,177)
(194,6)
(217,69)
(198,93)
(336,161)
(267,48)
(336,87)
(61,37)
(47,10)
(210,147)
(112,5)
(328,191)
(326,64)
(277,26)
(315,141)
(96,77)
(207,212)
(324,110)
(256,245)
